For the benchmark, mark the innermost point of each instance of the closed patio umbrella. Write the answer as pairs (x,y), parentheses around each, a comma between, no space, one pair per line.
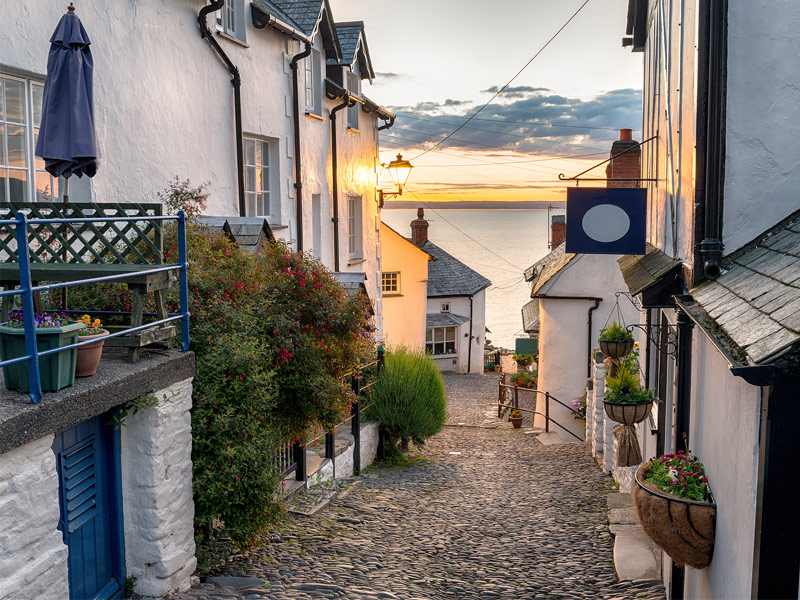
(66,139)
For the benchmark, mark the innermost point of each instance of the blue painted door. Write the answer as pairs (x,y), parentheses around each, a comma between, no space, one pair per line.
(89,502)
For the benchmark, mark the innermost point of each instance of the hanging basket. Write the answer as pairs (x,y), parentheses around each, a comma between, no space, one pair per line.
(626,413)
(616,349)
(684,529)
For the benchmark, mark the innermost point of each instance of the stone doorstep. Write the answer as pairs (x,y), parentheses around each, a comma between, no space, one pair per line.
(635,555)
(553,439)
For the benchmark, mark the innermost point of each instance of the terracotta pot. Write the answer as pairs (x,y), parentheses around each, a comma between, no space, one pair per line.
(520,381)
(628,414)
(616,349)
(89,356)
(684,529)
(516,422)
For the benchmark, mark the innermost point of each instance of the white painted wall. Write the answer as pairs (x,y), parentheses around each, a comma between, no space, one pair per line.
(33,557)
(460,305)
(563,344)
(725,422)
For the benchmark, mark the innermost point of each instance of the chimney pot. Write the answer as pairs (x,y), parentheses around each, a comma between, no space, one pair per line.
(558,230)
(626,134)
(420,212)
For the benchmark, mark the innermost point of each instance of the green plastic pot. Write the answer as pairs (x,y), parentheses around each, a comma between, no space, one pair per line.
(56,371)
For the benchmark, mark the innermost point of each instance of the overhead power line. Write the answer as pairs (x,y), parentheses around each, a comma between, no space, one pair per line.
(509,82)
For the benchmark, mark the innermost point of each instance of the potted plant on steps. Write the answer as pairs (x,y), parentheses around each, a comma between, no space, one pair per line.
(627,403)
(88,357)
(676,508)
(56,371)
(516,418)
(615,341)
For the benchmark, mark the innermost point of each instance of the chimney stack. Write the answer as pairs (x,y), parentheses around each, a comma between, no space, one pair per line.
(419,228)
(626,166)
(558,231)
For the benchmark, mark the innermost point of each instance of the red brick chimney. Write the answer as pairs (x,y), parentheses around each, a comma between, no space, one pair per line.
(419,228)
(558,230)
(627,166)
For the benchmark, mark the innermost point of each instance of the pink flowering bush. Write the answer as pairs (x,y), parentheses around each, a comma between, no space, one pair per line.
(681,475)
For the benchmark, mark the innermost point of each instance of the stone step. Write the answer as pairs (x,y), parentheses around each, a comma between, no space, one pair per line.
(635,555)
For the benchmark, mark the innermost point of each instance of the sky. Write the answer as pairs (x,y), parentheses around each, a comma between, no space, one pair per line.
(437,61)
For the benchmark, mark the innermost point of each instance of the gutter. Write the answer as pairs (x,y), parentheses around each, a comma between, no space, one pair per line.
(236,82)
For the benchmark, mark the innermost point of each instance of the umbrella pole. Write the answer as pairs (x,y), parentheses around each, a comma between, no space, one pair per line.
(65,201)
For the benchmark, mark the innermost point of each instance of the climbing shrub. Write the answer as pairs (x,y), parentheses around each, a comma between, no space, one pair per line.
(409,398)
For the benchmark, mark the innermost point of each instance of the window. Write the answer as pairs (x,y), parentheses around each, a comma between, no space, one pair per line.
(441,340)
(257,176)
(390,283)
(22,176)
(230,19)
(354,226)
(313,81)
(352,111)
(445,307)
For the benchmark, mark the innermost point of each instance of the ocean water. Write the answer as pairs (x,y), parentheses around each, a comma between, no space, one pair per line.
(499,244)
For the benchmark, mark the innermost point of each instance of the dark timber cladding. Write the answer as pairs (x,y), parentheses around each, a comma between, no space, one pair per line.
(656,276)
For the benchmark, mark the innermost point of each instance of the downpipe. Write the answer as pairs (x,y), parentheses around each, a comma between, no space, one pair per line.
(298,164)
(347,102)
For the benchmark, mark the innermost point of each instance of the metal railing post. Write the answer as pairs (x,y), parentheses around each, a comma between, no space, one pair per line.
(28,313)
(184,280)
(356,424)
(300,460)
(381,358)
(500,397)
(330,449)
(547,412)
(516,396)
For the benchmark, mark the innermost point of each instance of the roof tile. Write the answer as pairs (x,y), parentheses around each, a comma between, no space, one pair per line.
(448,276)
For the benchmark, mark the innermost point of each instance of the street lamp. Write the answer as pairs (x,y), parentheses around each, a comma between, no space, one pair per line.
(399,170)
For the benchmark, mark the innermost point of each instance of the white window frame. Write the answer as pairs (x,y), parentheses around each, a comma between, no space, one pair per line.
(313,81)
(439,334)
(33,168)
(353,86)
(390,283)
(355,209)
(231,21)
(445,307)
(258,176)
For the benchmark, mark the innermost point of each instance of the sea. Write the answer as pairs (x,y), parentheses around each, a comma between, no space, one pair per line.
(499,244)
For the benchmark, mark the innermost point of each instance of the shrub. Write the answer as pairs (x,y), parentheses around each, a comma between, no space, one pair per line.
(615,333)
(626,389)
(409,398)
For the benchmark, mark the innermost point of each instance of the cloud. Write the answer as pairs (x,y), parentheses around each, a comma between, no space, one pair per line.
(388,75)
(451,102)
(539,123)
(519,91)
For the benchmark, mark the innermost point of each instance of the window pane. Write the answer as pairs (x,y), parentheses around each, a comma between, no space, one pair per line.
(2,141)
(2,114)
(249,152)
(15,101)
(450,347)
(438,334)
(18,186)
(259,153)
(44,186)
(429,335)
(251,203)
(37,91)
(38,163)
(438,348)
(16,146)
(264,180)
(2,185)
(451,333)
(250,179)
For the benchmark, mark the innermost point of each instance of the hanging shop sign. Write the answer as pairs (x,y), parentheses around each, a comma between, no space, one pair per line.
(606,220)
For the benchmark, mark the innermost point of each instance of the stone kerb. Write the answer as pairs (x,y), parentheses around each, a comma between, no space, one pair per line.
(157,487)
(33,556)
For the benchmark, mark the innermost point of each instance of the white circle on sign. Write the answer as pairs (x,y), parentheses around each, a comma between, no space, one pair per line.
(606,223)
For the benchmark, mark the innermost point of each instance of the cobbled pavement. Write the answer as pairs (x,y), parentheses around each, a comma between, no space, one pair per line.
(484,512)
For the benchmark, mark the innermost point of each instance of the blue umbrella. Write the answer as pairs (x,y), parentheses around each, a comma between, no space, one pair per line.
(66,134)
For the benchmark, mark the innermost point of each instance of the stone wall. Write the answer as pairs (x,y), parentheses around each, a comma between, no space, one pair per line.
(157,492)
(33,557)
(344,460)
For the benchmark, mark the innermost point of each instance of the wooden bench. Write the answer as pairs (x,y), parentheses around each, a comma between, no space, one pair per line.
(64,252)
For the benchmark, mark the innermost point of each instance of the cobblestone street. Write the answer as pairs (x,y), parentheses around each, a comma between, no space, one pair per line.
(483,512)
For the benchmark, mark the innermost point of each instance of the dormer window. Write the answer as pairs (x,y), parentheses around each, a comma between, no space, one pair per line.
(313,83)
(353,86)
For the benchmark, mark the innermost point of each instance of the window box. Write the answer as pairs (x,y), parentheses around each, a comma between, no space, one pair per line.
(56,371)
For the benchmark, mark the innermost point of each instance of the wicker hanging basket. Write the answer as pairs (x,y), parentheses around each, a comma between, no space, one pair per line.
(684,529)
(626,413)
(616,349)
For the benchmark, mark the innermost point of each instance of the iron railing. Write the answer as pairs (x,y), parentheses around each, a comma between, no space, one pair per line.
(514,391)
(26,289)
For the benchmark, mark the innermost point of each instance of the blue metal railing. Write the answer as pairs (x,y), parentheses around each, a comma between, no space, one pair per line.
(27,289)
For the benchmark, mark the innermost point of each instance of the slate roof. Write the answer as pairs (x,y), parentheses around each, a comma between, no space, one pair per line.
(434,319)
(640,272)
(755,303)
(448,276)
(304,15)
(353,283)
(270,8)
(248,232)
(349,34)
(545,268)
(530,316)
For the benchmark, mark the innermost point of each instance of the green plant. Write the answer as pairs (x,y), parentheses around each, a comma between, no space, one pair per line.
(515,414)
(523,360)
(579,406)
(631,361)
(615,333)
(409,398)
(133,407)
(130,585)
(626,389)
(681,475)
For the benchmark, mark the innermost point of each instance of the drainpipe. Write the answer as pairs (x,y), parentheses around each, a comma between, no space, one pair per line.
(469,350)
(387,124)
(335,174)
(589,336)
(298,174)
(712,88)
(236,82)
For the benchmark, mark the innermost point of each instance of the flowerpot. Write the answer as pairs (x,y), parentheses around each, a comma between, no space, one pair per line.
(520,381)
(616,349)
(89,356)
(516,422)
(626,413)
(684,529)
(56,371)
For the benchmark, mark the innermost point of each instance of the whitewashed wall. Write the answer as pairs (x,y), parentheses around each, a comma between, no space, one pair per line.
(461,306)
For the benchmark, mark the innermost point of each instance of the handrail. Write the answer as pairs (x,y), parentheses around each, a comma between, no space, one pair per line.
(27,289)
(515,406)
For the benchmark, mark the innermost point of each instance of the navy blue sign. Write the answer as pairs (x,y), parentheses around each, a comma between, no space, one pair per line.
(606,220)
